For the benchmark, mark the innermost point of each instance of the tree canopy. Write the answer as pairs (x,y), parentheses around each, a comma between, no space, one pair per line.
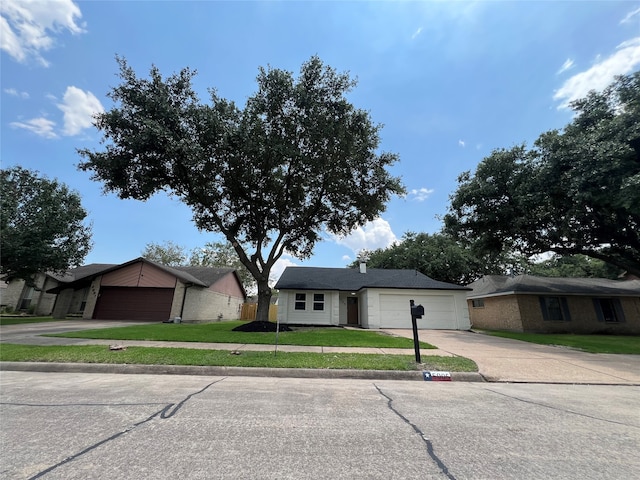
(297,160)
(442,258)
(167,253)
(577,191)
(42,225)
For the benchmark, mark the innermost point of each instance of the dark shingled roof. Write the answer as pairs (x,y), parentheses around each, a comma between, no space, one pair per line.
(201,276)
(350,279)
(528,284)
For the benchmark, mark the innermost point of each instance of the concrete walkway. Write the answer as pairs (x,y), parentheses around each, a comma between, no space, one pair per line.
(506,360)
(498,359)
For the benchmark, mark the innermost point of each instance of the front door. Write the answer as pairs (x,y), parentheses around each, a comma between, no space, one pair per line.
(352,311)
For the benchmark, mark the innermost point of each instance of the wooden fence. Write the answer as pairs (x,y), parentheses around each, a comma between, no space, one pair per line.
(249,311)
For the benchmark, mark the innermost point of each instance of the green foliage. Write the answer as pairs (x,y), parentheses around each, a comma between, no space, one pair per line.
(575,192)
(629,345)
(222,254)
(41,225)
(297,160)
(440,257)
(223,333)
(187,356)
(579,266)
(168,253)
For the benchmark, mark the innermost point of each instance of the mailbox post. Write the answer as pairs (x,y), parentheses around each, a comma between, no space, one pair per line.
(416,312)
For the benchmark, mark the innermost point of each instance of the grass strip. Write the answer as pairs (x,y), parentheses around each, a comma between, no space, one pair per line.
(22,320)
(187,356)
(620,344)
(222,332)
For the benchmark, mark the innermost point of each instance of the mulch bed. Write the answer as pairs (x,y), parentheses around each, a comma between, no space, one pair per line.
(260,327)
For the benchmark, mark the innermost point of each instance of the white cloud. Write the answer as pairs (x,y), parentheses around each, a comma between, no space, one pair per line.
(371,236)
(278,267)
(565,66)
(416,33)
(78,107)
(28,27)
(630,15)
(625,59)
(15,93)
(421,194)
(40,126)
(346,258)
(461,143)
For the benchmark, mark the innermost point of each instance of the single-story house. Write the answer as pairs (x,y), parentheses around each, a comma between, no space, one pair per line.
(368,298)
(526,303)
(137,290)
(21,297)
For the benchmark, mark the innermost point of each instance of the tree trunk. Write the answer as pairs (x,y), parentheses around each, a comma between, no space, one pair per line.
(264,301)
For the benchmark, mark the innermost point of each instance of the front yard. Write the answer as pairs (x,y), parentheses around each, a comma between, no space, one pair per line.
(222,332)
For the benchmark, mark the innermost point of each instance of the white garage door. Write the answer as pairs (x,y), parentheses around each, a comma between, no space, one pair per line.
(439,311)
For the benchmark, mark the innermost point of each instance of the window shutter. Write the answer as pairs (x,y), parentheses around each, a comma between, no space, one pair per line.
(617,305)
(543,307)
(565,309)
(598,308)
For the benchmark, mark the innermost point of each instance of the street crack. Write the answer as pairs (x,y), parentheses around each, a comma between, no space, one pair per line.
(443,468)
(559,409)
(165,413)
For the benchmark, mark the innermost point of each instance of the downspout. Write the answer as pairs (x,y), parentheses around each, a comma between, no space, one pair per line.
(184,298)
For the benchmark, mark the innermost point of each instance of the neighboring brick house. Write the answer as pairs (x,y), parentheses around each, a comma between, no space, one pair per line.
(525,303)
(144,290)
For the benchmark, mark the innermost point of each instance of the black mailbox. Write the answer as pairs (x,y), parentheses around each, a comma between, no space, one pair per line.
(417,311)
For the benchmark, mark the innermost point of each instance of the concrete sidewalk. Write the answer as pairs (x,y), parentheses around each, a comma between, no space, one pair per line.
(507,360)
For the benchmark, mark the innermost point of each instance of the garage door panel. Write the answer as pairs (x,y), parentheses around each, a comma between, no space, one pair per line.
(439,311)
(121,303)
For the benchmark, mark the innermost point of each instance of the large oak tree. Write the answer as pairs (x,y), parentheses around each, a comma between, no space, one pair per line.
(296,160)
(42,225)
(577,191)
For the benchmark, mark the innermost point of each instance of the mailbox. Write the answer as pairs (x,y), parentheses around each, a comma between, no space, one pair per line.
(417,311)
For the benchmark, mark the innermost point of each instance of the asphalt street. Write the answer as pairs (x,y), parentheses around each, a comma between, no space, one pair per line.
(99,426)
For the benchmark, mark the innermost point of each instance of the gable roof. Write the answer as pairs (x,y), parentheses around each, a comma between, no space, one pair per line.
(492,285)
(350,279)
(200,276)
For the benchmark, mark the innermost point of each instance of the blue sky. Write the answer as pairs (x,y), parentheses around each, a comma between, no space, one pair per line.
(450,81)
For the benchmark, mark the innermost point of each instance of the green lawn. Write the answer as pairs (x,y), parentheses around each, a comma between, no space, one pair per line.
(222,333)
(21,320)
(187,356)
(588,343)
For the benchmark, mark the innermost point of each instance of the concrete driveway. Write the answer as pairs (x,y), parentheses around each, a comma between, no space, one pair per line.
(506,360)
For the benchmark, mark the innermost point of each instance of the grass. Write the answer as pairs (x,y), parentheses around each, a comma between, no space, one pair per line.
(187,356)
(22,320)
(588,343)
(222,333)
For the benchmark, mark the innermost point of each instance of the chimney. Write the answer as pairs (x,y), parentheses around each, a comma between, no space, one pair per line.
(363,267)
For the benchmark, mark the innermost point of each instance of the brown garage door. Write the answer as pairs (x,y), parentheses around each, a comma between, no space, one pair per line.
(134,303)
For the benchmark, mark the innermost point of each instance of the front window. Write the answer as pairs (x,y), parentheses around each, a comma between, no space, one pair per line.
(555,309)
(477,303)
(301,301)
(25,303)
(609,310)
(318,301)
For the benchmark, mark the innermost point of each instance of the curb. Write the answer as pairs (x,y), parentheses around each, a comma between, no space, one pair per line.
(129,369)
